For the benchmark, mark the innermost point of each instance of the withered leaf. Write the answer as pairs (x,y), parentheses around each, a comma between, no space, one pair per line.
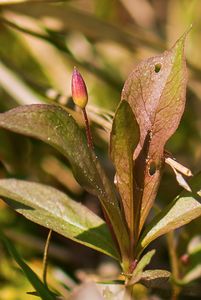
(156,279)
(156,92)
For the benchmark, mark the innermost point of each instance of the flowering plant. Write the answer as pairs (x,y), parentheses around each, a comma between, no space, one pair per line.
(151,106)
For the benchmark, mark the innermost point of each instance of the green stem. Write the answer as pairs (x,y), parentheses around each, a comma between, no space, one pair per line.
(45,257)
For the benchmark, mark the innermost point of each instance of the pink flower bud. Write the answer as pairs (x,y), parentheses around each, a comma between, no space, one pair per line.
(79,90)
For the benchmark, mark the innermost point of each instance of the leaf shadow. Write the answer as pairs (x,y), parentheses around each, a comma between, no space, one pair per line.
(100,235)
(16,205)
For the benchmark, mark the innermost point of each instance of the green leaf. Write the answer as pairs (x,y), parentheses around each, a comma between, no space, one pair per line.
(182,210)
(137,273)
(51,208)
(156,279)
(41,289)
(53,125)
(123,141)
(156,92)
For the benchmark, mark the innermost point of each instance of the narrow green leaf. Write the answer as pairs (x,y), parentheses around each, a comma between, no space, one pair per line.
(156,92)
(41,289)
(53,125)
(182,210)
(51,208)
(123,141)
(137,273)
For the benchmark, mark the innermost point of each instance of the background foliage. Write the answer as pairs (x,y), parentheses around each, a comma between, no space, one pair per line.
(40,42)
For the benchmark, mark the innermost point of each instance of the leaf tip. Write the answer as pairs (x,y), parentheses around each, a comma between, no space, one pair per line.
(183,37)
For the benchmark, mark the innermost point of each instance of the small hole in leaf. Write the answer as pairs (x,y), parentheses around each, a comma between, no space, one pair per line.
(152,168)
(157,68)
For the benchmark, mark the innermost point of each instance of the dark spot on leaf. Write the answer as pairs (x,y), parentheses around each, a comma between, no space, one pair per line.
(157,68)
(152,168)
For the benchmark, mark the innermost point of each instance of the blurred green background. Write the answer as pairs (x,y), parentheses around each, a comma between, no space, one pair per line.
(40,42)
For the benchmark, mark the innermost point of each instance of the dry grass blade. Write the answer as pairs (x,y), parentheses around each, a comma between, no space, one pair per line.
(14,85)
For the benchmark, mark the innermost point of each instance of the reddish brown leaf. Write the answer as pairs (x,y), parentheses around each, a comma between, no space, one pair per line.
(123,141)
(156,92)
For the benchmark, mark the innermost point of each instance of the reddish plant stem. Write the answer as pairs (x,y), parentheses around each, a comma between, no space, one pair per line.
(133,265)
(91,146)
(88,130)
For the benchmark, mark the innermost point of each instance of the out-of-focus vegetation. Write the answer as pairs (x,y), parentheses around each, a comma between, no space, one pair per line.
(40,43)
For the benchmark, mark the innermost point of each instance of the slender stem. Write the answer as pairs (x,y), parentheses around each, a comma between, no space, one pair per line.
(88,130)
(45,257)
(132,209)
(174,263)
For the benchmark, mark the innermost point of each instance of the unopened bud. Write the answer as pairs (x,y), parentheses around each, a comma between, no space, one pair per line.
(79,90)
